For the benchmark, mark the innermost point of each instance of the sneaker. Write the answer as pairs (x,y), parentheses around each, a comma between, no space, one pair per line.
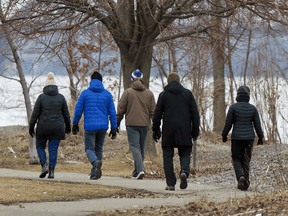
(171,188)
(183,177)
(241,183)
(139,176)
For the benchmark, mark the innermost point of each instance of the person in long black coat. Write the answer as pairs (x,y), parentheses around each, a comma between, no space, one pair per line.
(53,120)
(244,117)
(177,106)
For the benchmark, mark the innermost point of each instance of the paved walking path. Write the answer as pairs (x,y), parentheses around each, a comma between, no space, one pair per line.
(85,207)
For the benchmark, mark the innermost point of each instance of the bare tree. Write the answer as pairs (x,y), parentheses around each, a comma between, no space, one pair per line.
(25,88)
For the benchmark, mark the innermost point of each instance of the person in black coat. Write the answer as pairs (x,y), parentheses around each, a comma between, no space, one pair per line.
(177,106)
(53,120)
(244,117)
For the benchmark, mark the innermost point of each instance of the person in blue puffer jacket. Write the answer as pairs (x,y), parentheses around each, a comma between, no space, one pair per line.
(98,107)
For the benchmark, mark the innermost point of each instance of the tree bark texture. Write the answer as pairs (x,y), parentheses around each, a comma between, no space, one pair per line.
(218,75)
(33,152)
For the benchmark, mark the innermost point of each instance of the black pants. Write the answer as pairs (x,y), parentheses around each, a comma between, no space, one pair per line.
(241,156)
(168,154)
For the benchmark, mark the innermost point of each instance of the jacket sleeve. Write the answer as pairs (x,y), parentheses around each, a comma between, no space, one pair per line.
(257,125)
(112,112)
(66,114)
(36,112)
(195,118)
(158,113)
(79,108)
(152,106)
(122,106)
(229,122)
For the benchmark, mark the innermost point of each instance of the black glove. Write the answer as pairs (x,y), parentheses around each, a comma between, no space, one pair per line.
(31,131)
(260,141)
(68,129)
(156,135)
(75,129)
(195,138)
(113,134)
(224,139)
(118,127)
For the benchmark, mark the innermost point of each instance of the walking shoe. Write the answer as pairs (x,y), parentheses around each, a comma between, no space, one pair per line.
(139,176)
(241,183)
(51,172)
(171,188)
(183,178)
(44,170)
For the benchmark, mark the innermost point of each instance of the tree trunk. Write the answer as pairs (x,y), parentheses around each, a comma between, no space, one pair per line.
(218,75)
(33,152)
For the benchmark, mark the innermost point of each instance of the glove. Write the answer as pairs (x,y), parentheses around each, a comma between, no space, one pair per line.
(156,135)
(31,131)
(260,141)
(113,134)
(118,126)
(75,129)
(224,139)
(67,129)
(195,138)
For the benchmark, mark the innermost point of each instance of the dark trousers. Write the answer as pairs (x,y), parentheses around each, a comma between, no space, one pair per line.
(168,155)
(94,141)
(241,156)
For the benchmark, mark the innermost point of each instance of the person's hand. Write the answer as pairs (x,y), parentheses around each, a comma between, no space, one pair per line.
(260,141)
(31,131)
(75,129)
(113,134)
(224,139)
(118,127)
(195,138)
(194,135)
(67,129)
(156,135)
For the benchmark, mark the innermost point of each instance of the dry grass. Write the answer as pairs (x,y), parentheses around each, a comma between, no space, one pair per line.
(15,190)
(267,204)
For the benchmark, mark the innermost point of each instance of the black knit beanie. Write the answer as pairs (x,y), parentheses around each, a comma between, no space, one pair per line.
(96,75)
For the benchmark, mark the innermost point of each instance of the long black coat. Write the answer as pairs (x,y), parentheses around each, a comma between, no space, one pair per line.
(177,106)
(244,117)
(52,113)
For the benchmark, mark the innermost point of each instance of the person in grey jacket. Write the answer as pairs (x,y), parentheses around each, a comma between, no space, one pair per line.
(244,117)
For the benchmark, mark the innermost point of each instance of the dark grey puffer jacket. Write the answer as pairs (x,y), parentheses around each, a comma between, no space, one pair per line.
(243,116)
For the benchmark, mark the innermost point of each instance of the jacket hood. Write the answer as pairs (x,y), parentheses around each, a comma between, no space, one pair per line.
(138,85)
(243,94)
(174,87)
(96,86)
(50,90)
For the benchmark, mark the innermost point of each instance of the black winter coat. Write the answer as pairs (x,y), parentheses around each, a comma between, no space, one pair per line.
(243,116)
(177,106)
(52,113)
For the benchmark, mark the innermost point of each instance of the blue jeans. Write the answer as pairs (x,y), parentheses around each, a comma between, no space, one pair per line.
(52,148)
(94,141)
(136,137)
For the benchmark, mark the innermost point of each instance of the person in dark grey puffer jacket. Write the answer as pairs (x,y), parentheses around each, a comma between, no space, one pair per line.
(53,121)
(244,117)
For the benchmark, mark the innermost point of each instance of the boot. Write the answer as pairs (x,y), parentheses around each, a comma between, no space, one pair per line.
(44,170)
(99,172)
(51,172)
(94,170)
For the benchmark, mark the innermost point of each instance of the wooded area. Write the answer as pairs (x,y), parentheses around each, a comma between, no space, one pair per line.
(196,38)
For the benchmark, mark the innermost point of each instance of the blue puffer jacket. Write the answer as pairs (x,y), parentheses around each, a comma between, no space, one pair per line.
(97,104)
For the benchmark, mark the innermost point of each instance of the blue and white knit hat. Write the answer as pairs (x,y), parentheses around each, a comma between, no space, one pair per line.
(136,74)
